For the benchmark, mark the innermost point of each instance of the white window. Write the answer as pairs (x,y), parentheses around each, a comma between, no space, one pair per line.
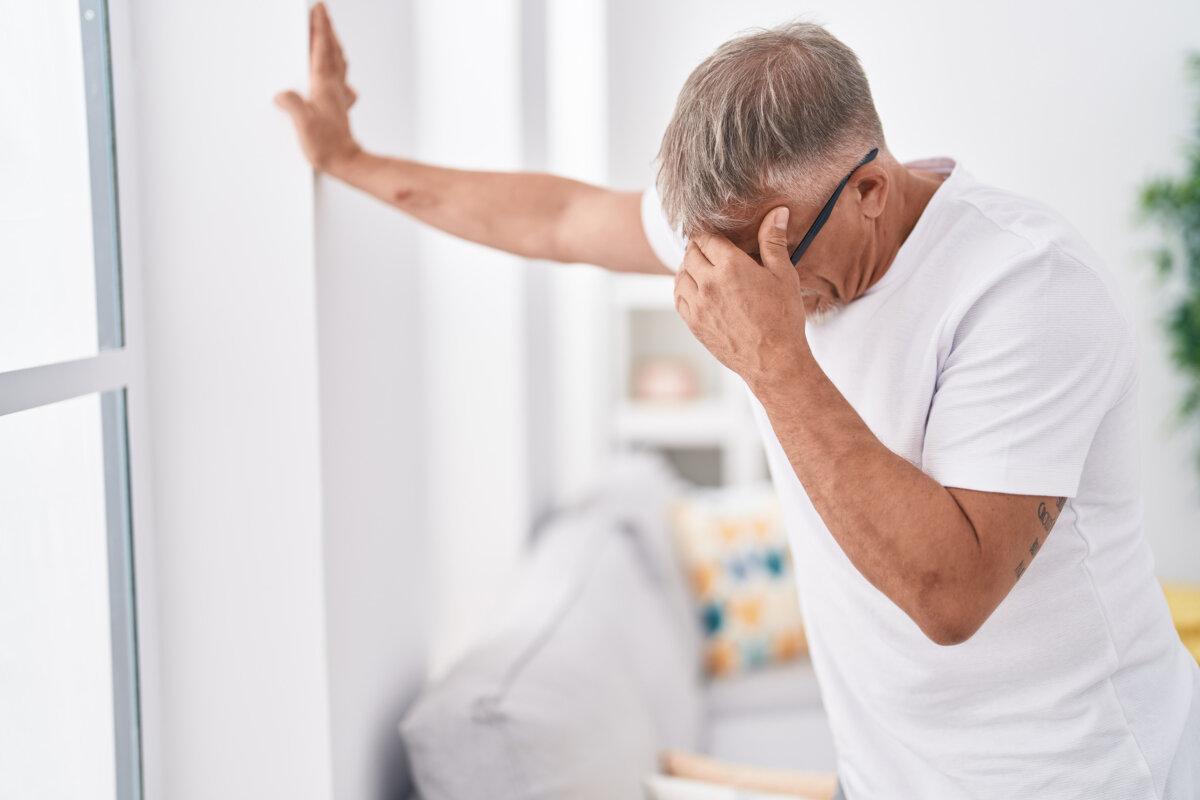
(69,710)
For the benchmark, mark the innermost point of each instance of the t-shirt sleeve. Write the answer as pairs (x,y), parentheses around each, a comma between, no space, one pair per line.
(1029,371)
(667,243)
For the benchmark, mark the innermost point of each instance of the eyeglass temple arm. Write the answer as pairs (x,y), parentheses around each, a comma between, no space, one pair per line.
(827,209)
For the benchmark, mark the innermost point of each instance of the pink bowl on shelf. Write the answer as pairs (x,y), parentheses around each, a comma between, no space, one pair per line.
(665,379)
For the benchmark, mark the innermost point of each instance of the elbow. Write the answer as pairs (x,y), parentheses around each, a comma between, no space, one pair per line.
(555,243)
(948,633)
(947,618)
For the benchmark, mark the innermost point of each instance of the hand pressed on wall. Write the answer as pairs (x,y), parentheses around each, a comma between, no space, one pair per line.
(322,119)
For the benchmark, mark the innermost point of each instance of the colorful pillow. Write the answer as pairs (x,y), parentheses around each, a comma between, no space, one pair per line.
(735,552)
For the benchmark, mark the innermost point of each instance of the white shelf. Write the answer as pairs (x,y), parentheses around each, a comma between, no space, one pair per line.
(719,424)
(700,423)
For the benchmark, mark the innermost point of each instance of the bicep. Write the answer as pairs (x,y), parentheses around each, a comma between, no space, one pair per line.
(604,227)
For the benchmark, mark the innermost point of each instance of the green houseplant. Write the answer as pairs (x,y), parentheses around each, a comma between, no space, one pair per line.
(1174,203)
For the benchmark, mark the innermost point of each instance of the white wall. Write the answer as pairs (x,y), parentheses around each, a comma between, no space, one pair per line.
(377,547)
(226,242)
(577,79)
(467,113)
(1073,103)
(315,555)
(286,404)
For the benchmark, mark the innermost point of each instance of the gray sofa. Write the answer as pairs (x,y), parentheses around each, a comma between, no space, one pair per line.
(593,668)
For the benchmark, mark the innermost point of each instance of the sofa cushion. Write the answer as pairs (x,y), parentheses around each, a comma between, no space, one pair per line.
(791,686)
(589,675)
(640,489)
(769,718)
(785,739)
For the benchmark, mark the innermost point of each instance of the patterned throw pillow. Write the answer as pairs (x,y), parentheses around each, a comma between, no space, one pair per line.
(735,552)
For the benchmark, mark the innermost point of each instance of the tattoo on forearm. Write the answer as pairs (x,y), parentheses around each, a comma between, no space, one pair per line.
(1033,548)
(1047,520)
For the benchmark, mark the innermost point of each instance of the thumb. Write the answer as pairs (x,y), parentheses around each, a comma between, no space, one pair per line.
(293,104)
(772,240)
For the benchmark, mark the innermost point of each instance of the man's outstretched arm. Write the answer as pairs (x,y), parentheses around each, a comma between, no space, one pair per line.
(535,215)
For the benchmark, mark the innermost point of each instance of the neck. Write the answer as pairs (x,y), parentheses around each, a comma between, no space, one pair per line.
(913,191)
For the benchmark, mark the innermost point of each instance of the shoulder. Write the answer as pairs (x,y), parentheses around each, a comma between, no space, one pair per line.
(1044,312)
(1029,287)
(1053,270)
(1017,250)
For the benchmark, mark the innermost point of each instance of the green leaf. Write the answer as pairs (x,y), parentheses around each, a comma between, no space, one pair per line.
(1164,261)
(1173,203)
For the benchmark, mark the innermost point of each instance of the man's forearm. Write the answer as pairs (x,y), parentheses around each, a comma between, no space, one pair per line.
(535,215)
(515,212)
(903,531)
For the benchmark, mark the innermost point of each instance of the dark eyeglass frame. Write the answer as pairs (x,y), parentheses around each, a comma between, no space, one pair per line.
(823,217)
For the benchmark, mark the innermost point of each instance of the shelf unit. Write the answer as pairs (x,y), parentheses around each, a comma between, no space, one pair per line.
(712,439)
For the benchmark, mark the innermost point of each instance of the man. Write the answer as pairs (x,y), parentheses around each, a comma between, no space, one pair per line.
(946,389)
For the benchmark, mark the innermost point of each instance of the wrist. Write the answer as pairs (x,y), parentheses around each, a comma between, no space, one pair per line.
(343,162)
(791,370)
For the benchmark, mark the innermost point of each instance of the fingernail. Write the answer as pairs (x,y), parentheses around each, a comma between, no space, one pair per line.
(781,218)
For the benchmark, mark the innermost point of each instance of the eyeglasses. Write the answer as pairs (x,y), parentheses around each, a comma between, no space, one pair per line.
(823,217)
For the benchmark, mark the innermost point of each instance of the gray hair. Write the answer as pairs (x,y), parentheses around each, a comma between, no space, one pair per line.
(771,112)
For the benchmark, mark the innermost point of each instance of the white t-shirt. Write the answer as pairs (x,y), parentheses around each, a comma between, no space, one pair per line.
(993,355)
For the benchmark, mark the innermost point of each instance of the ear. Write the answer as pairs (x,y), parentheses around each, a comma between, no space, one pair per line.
(872,185)
(773,242)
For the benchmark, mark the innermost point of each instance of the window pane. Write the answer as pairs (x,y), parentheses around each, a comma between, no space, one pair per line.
(58,261)
(67,699)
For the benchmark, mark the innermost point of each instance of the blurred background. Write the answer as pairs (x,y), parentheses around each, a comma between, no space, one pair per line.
(271,454)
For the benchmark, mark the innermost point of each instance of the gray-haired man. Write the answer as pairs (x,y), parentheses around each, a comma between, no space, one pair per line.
(942,377)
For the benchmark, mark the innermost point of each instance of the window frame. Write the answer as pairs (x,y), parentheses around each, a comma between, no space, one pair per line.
(117,376)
